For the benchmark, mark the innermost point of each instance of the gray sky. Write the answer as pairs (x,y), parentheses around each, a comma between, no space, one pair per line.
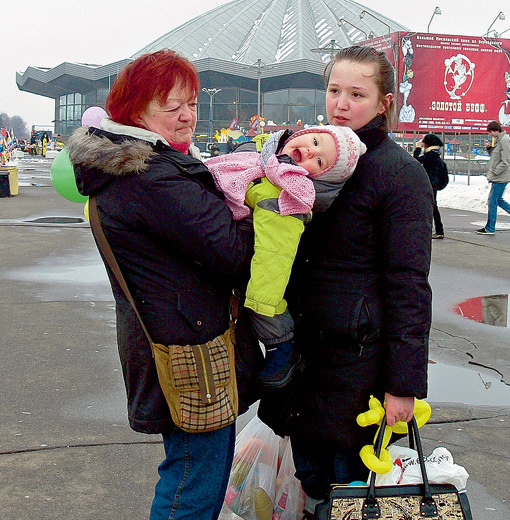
(44,34)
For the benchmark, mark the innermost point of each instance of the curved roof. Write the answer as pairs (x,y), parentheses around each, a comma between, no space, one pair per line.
(274,31)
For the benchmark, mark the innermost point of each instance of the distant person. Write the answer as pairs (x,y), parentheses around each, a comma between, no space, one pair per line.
(32,149)
(498,175)
(44,144)
(59,143)
(435,168)
(215,150)
(230,145)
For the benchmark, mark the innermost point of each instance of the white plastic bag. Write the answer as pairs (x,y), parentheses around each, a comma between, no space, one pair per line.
(252,484)
(290,498)
(406,468)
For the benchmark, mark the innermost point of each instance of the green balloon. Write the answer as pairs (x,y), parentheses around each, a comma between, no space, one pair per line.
(62,177)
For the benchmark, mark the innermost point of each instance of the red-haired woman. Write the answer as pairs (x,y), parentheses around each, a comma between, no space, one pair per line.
(180,252)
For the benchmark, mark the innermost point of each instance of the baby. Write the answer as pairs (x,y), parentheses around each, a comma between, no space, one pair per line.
(293,174)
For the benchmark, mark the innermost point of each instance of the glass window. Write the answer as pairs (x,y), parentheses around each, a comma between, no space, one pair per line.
(102,94)
(320,110)
(279,114)
(62,113)
(302,97)
(245,111)
(77,98)
(223,112)
(278,97)
(247,96)
(90,98)
(63,100)
(226,95)
(203,111)
(203,97)
(306,114)
(78,111)
(70,99)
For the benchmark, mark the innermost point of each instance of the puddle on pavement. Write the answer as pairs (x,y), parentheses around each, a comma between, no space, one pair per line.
(451,384)
(57,220)
(73,277)
(82,274)
(492,310)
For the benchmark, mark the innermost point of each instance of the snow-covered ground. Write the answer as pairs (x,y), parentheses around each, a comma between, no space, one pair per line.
(473,197)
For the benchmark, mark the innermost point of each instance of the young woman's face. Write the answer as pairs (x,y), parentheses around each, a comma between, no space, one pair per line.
(175,120)
(352,97)
(313,151)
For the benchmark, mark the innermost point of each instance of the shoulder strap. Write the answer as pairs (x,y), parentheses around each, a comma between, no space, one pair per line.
(105,248)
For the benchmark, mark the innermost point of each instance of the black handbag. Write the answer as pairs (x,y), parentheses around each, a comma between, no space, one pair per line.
(404,502)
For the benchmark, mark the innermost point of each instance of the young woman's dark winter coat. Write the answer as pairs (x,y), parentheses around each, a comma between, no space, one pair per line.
(360,297)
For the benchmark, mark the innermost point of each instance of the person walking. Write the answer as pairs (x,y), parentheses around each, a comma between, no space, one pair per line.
(434,166)
(181,254)
(498,175)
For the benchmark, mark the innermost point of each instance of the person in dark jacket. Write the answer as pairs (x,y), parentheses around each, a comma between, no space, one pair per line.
(215,150)
(433,165)
(180,252)
(359,290)
(230,145)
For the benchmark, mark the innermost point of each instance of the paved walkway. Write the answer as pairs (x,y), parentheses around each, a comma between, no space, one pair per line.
(66,450)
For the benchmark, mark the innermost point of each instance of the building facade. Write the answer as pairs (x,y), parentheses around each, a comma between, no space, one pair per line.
(257,61)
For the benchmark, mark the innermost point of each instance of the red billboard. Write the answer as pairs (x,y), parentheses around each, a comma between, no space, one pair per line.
(447,82)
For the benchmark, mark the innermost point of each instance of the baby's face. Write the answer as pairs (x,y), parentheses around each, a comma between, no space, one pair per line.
(313,151)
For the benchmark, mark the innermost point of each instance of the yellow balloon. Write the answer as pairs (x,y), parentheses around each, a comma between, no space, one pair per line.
(383,464)
(374,415)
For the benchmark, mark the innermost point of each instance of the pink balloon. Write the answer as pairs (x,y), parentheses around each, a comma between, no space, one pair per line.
(93,116)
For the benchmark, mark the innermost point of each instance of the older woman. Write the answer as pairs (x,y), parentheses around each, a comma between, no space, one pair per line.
(180,252)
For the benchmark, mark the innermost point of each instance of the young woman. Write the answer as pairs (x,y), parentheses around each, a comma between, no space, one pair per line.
(359,288)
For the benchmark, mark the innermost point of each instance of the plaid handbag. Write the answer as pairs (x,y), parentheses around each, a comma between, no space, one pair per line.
(404,502)
(198,381)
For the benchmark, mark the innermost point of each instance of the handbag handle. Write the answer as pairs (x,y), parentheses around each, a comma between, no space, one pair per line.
(428,506)
(108,255)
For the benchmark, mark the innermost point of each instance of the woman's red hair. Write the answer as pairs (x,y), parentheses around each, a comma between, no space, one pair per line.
(151,76)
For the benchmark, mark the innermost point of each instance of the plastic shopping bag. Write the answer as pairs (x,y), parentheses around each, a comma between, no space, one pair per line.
(406,468)
(289,498)
(252,484)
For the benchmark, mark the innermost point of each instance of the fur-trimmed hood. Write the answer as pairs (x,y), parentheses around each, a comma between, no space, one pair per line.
(112,154)
(98,155)
(115,150)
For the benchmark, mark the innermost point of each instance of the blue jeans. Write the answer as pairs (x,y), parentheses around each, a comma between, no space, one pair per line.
(495,200)
(194,475)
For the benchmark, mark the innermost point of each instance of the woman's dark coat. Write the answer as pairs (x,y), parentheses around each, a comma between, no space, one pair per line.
(432,163)
(178,248)
(360,297)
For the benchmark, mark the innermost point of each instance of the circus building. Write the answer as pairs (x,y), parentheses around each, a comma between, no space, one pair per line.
(260,64)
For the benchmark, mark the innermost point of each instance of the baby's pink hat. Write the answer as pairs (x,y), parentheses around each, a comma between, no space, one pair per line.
(349,148)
